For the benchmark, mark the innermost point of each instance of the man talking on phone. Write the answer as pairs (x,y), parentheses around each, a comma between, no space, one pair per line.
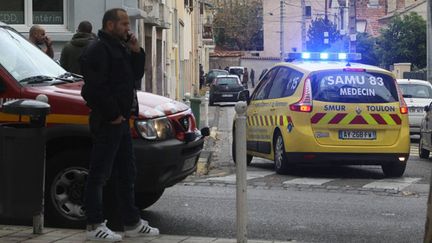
(38,37)
(113,66)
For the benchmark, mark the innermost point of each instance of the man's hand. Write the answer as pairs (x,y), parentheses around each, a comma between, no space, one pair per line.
(118,120)
(133,43)
(48,41)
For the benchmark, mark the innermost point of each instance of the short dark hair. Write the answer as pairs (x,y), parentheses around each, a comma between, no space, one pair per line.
(85,27)
(111,15)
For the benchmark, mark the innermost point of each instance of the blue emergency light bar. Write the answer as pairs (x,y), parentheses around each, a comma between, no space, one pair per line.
(328,56)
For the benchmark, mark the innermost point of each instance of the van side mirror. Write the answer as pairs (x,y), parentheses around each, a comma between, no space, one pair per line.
(426,108)
(244,96)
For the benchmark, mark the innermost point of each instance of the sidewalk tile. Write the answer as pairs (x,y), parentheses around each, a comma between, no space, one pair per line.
(199,240)
(6,232)
(225,241)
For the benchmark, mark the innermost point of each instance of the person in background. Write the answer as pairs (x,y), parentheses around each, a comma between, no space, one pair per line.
(38,37)
(252,77)
(201,76)
(71,52)
(245,78)
(111,66)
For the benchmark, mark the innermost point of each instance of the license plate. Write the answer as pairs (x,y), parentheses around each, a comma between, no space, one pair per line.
(227,95)
(357,135)
(416,109)
(189,163)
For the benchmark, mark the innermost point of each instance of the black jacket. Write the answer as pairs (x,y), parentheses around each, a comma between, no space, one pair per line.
(112,73)
(71,52)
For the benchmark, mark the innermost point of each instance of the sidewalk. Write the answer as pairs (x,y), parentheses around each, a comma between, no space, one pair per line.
(25,234)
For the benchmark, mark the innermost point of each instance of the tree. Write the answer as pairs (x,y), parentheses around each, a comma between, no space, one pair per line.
(239,26)
(315,35)
(366,45)
(404,40)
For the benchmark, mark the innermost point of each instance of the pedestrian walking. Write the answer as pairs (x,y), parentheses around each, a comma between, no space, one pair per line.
(245,77)
(71,52)
(38,37)
(201,76)
(252,77)
(112,66)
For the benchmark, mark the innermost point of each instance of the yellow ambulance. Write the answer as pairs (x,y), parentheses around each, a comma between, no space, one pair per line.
(323,108)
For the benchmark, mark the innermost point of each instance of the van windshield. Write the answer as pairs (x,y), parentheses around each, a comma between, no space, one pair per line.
(353,87)
(23,60)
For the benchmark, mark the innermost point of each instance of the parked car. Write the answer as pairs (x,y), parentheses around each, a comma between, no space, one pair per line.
(331,111)
(213,73)
(225,88)
(166,141)
(417,94)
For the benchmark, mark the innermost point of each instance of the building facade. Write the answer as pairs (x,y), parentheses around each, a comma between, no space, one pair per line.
(166,29)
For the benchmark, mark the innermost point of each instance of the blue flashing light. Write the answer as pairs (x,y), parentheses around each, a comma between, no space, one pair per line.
(324,55)
(342,56)
(306,55)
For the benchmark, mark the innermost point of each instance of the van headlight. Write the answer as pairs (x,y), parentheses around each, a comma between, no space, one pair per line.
(155,129)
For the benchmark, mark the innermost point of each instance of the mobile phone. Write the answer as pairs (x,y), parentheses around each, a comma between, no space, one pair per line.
(128,37)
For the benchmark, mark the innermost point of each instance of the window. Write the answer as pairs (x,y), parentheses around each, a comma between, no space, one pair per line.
(279,83)
(353,87)
(22,14)
(373,3)
(285,83)
(308,11)
(264,86)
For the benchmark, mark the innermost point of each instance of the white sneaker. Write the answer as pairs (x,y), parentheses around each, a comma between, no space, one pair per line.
(103,233)
(143,229)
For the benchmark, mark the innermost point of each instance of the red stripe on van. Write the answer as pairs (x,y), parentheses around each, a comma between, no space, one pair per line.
(378,118)
(336,119)
(358,120)
(396,118)
(317,117)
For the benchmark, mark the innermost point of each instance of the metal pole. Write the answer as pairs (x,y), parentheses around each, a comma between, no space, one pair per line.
(206,108)
(303,25)
(428,41)
(428,225)
(241,195)
(282,35)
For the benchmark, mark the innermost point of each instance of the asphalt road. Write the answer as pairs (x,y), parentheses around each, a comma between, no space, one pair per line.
(335,204)
(288,214)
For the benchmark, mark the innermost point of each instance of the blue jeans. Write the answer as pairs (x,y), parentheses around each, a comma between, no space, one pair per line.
(112,153)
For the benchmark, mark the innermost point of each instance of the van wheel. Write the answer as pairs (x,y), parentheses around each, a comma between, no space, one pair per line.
(394,169)
(280,159)
(66,176)
(423,153)
(233,149)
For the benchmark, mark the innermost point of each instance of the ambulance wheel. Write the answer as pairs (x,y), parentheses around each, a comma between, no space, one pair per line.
(394,169)
(280,159)
(423,153)
(233,149)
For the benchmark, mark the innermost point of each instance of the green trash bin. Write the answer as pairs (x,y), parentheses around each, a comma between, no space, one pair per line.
(195,104)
